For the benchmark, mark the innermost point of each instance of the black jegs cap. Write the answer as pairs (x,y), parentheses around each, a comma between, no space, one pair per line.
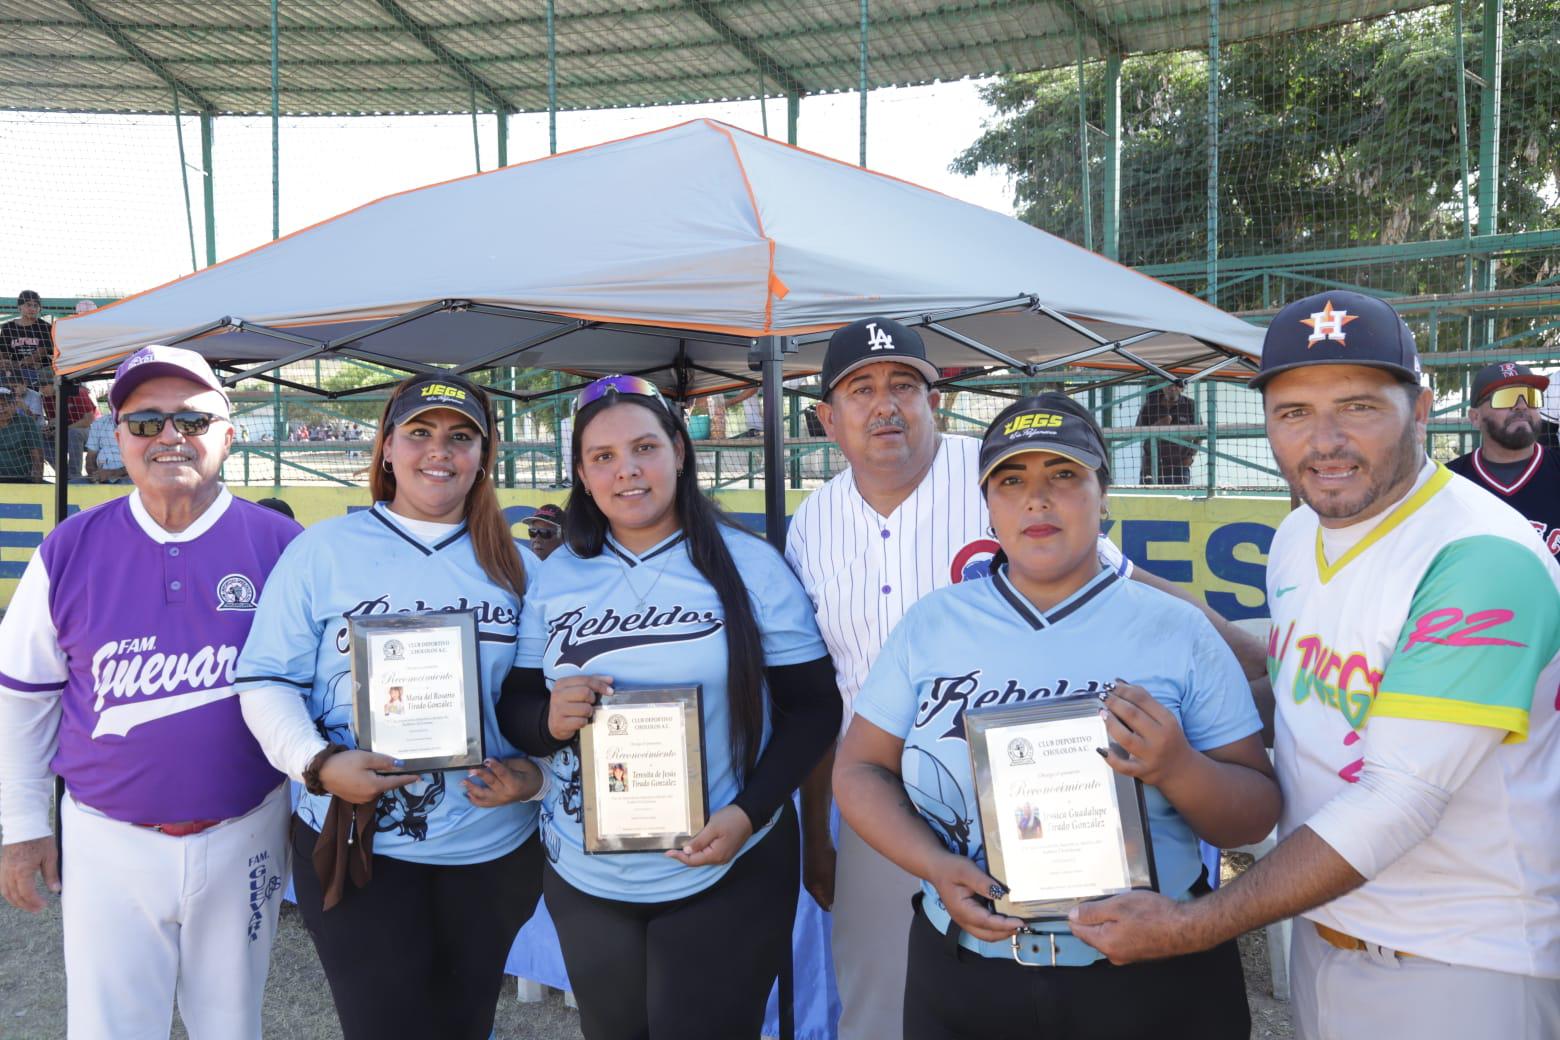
(439,391)
(1050,422)
(869,341)
(1338,328)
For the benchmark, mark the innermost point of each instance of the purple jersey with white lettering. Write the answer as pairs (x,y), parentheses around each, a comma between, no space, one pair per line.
(148,632)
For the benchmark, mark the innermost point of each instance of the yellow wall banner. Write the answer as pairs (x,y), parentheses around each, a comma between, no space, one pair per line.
(1216,547)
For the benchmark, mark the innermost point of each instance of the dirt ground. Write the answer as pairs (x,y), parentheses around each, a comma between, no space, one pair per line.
(297,1002)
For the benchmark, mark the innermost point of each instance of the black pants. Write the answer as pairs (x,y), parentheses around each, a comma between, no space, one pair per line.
(699,968)
(954,994)
(420,950)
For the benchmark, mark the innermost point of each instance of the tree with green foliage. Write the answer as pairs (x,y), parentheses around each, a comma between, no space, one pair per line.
(1328,138)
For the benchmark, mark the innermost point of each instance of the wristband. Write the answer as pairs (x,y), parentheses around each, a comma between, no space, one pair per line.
(311,772)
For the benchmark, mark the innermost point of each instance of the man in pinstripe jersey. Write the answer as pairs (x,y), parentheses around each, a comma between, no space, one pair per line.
(905,518)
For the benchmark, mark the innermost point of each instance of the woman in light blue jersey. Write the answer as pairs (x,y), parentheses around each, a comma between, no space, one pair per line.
(655,588)
(421,879)
(1052,624)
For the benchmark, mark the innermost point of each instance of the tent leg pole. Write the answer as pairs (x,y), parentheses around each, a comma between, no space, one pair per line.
(793,112)
(768,353)
(61,447)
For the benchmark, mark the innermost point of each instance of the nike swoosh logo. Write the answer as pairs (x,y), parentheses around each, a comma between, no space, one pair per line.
(1287,588)
(581,654)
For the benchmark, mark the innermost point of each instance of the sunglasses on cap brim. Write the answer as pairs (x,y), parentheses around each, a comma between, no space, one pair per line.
(636,386)
(150,424)
(1508,396)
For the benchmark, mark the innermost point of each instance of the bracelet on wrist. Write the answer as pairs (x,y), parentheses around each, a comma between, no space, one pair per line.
(311,772)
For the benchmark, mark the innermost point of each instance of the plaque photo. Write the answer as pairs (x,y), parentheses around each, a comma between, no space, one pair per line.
(416,680)
(1061,826)
(642,770)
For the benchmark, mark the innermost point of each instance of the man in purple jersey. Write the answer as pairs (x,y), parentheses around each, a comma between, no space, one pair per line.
(116,671)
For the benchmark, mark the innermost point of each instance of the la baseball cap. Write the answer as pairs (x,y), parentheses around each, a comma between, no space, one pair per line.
(1338,328)
(445,390)
(870,340)
(1051,422)
(28,296)
(158,360)
(548,514)
(1505,373)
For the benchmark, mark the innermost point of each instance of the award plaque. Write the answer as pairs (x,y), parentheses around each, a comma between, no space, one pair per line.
(416,681)
(642,770)
(1061,826)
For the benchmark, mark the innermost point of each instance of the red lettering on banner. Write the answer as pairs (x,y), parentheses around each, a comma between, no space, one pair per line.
(1428,628)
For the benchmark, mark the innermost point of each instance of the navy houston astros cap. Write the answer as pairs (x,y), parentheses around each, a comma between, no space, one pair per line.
(869,341)
(439,391)
(1505,373)
(1050,422)
(1338,328)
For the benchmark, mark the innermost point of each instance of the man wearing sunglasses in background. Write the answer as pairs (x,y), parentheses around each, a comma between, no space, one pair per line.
(545,529)
(116,671)
(1510,462)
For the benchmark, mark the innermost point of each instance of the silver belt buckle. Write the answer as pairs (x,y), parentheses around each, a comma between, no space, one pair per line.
(1014,944)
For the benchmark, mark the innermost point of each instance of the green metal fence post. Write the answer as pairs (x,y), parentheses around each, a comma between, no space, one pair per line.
(1213,152)
(1462,145)
(184,178)
(209,189)
(509,420)
(278,435)
(552,82)
(276,132)
(1112,201)
(862,71)
(1211,416)
(793,111)
(1085,191)
(503,139)
(1489,140)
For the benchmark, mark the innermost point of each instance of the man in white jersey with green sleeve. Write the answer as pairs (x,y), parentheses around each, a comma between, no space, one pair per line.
(1415,660)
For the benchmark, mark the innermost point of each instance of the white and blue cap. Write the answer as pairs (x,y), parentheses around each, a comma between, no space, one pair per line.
(1338,328)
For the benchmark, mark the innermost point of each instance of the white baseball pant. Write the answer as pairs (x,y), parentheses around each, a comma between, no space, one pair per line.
(871,934)
(1349,994)
(149,918)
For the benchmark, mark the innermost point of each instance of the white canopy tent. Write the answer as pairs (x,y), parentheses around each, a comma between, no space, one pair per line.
(695,255)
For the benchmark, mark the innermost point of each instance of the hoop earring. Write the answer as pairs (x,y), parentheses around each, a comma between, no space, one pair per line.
(386,464)
(481,474)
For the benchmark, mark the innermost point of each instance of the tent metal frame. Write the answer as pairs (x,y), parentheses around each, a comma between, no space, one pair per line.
(764,355)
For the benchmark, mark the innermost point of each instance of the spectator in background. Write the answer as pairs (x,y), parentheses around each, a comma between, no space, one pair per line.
(1167,406)
(80,411)
(85,306)
(545,529)
(21,442)
(1511,462)
(279,505)
(104,464)
(26,344)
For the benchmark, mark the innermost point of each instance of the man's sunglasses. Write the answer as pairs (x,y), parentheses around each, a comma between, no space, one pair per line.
(635,385)
(1508,396)
(150,424)
(541,534)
